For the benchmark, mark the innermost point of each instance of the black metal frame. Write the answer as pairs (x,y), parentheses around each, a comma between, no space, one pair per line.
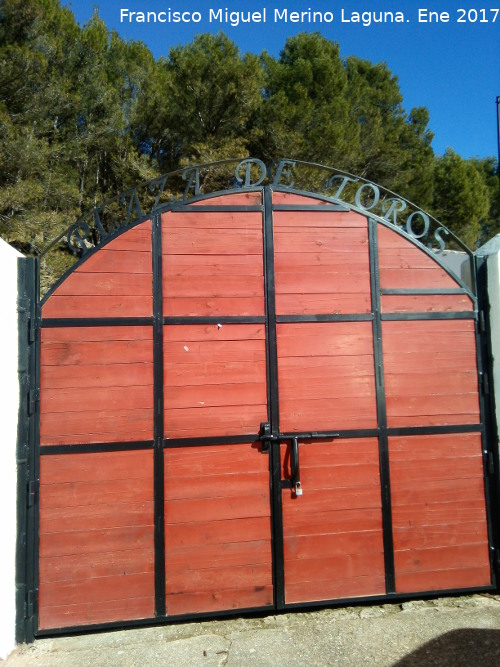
(28,455)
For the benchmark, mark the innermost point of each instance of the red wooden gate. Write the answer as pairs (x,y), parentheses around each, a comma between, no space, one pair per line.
(251,401)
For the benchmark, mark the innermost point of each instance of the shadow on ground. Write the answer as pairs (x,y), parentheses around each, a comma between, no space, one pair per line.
(458,648)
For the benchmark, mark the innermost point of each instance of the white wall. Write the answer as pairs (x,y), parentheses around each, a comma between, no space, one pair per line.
(9,405)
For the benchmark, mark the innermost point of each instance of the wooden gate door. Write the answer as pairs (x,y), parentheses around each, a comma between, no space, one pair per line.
(154,490)
(377,411)
(256,400)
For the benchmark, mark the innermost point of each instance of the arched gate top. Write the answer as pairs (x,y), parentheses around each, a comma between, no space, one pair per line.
(194,183)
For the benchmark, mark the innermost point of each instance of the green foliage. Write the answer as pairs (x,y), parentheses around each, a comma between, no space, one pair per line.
(85,114)
(461,198)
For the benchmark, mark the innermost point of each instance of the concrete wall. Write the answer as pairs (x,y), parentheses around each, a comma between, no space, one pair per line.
(9,405)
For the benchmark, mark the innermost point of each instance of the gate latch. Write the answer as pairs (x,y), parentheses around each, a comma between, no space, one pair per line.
(266,436)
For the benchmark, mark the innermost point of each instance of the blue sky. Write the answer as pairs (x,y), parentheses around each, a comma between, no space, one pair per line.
(451,67)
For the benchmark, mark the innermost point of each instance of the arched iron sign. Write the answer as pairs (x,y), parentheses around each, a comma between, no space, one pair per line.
(261,397)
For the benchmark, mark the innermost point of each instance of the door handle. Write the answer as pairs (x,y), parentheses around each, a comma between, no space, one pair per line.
(294,467)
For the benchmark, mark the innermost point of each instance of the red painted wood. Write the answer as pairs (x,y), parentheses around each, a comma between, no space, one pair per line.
(430,372)
(87,392)
(202,527)
(96,538)
(440,525)
(333,532)
(232,199)
(410,303)
(255,595)
(330,382)
(403,265)
(211,397)
(115,281)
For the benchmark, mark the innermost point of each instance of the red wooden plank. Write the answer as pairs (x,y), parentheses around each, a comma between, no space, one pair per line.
(324,339)
(110,260)
(406,493)
(447,579)
(213,395)
(213,307)
(314,240)
(95,517)
(97,590)
(217,421)
(96,426)
(98,306)
(329,282)
(442,558)
(412,278)
(111,375)
(450,407)
(213,264)
(438,446)
(347,566)
(240,483)
(410,303)
(312,304)
(218,532)
(106,284)
(85,613)
(214,220)
(450,534)
(326,387)
(318,366)
(397,252)
(96,466)
(217,509)
(79,399)
(214,332)
(76,494)
(299,220)
(200,352)
(336,413)
(219,600)
(290,198)
(180,559)
(213,242)
(137,238)
(303,523)
(70,353)
(333,588)
(101,334)
(219,372)
(211,286)
(233,199)
(79,567)
(330,261)
(215,460)
(313,546)
(424,383)
(210,579)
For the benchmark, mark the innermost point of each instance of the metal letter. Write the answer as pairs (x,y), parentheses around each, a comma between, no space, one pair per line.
(345,180)
(376,196)
(426,221)
(248,165)
(133,205)
(284,170)
(192,176)
(75,238)
(390,207)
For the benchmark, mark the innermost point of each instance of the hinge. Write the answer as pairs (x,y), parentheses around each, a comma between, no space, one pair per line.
(490,463)
(485,383)
(33,398)
(482,322)
(32,605)
(30,494)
